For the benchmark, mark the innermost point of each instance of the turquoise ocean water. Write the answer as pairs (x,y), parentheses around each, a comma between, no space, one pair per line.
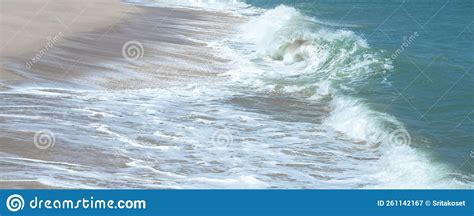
(296,94)
(430,46)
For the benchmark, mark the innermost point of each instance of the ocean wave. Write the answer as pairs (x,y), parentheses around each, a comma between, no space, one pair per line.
(290,117)
(294,55)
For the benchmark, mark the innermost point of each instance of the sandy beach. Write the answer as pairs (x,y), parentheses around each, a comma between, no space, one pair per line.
(57,45)
(224,94)
(28,25)
(81,45)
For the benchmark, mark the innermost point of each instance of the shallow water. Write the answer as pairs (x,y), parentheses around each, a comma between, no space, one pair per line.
(303,101)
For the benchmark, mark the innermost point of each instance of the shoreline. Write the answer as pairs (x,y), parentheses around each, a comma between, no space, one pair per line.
(29,24)
(29,27)
(167,41)
(172,98)
(172,51)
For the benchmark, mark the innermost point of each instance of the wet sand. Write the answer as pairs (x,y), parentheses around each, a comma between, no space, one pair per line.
(92,55)
(26,29)
(81,45)
(27,26)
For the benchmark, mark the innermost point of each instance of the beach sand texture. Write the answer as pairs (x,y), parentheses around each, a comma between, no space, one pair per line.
(27,25)
(230,94)
(80,44)
(61,42)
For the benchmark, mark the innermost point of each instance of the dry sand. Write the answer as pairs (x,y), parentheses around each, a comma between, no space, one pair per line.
(27,25)
(87,44)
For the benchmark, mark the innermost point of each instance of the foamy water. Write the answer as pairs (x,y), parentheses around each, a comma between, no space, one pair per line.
(283,115)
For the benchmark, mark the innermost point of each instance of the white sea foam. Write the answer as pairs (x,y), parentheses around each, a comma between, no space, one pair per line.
(236,7)
(289,112)
(295,56)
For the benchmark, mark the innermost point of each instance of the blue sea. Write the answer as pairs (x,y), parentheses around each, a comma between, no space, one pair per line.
(307,94)
(416,64)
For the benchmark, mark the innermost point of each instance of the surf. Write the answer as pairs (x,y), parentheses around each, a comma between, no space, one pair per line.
(293,55)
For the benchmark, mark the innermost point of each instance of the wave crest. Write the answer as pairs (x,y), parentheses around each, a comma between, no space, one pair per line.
(297,56)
